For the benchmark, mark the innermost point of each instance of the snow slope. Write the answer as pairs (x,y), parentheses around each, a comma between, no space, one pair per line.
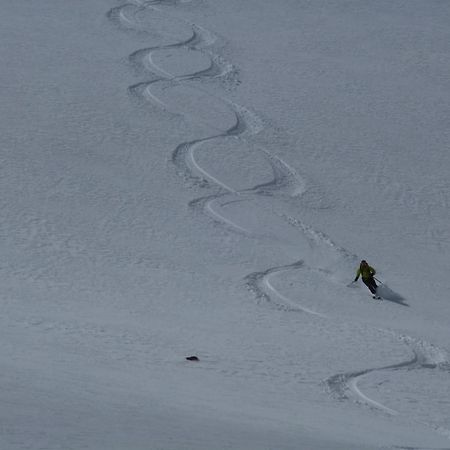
(202,178)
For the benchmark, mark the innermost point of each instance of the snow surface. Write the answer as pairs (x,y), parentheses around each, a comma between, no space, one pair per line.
(202,178)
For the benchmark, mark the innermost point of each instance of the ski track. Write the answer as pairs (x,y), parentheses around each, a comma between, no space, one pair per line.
(285,182)
(259,283)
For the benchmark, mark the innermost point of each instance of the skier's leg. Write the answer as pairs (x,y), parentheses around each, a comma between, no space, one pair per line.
(377,296)
(374,286)
(370,283)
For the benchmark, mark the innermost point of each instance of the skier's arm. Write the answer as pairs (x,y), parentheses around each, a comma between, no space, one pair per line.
(372,271)
(358,273)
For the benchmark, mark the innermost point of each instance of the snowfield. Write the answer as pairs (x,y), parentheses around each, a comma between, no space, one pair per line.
(199,177)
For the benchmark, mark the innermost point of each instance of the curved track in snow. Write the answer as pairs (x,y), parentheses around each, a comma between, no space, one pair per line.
(196,47)
(424,356)
(260,284)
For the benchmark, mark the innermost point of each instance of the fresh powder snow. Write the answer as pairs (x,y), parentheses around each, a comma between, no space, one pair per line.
(187,189)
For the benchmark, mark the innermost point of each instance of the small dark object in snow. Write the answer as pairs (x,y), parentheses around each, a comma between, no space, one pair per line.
(192,358)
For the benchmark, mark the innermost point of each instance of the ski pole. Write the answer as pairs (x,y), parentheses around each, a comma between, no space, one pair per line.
(379,281)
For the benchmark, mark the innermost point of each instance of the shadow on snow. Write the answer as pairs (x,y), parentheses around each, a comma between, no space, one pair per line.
(388,294)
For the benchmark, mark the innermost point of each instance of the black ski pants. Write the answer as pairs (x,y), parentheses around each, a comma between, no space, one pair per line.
(370,283)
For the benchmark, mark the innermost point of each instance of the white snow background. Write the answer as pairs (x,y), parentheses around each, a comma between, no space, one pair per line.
(202,178)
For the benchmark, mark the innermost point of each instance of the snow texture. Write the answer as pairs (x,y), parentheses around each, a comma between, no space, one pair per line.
(201,178)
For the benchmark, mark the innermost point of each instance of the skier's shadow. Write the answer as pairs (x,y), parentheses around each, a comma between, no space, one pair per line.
(388,294)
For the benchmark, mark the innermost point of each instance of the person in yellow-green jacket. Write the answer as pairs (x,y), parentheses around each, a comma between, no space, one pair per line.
(366,272)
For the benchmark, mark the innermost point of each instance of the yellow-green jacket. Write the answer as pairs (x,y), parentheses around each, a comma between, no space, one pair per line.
(366,272)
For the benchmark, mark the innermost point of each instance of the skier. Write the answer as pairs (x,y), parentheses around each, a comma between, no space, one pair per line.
(367,274)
